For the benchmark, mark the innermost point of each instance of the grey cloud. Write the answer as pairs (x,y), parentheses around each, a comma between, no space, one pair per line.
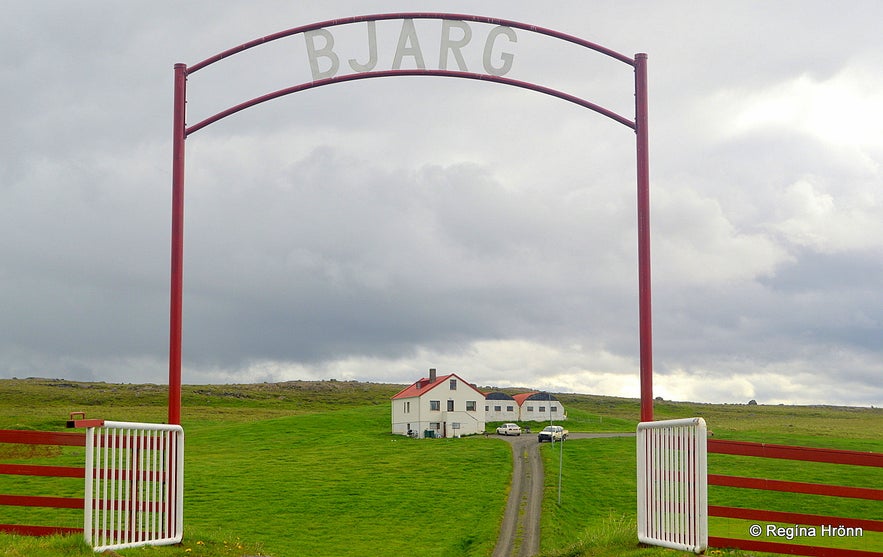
(343,254)
(366,228)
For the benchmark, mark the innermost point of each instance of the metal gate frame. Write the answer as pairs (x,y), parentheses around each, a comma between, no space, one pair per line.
(673,484)
(134,493)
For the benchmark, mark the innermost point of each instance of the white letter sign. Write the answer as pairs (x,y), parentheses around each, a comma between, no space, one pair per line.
(326,51)
(448,44)
(409,45)
(372,51)
(454,42)
(507,57)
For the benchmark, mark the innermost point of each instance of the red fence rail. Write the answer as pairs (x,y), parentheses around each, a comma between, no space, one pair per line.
(806,454)
(48,438)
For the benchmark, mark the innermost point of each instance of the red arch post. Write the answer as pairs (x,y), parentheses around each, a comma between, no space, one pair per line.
(644,297)
(181,131)
(177,266)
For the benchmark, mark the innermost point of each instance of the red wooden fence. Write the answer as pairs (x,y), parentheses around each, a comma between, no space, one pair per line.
(64,439)
(764,450)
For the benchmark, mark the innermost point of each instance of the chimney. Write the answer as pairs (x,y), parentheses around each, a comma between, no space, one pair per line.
(432,375)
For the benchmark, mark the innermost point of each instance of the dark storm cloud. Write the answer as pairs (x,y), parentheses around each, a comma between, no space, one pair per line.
(342,257)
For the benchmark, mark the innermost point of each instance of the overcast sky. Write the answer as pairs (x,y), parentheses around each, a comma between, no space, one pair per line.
(371,230)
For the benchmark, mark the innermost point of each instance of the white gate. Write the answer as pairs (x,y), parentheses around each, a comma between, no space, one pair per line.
(673,484)
(134,485)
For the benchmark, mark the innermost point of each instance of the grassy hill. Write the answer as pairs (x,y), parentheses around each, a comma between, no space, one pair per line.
(309,468)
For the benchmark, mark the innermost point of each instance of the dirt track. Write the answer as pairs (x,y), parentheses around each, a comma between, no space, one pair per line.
(520,531)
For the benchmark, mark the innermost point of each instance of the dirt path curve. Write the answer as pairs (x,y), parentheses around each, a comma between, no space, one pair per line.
(520,531)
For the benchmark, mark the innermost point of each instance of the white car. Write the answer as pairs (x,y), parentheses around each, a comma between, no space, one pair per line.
(552,433)
(509,429)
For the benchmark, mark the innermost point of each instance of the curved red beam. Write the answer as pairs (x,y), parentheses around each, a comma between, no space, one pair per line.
(411,15)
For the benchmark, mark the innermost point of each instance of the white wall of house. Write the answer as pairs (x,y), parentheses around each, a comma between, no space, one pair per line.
(542,411)
(406,415)
(501,410)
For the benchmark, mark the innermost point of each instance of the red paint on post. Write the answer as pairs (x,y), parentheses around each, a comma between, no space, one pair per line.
(644,286)
(177,266)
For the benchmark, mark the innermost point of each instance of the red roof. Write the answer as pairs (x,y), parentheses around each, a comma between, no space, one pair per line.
(520,398)
(423,386)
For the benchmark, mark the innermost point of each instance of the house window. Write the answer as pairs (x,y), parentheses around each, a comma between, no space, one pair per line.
(554,409)
(530,408)
(453,384)
(407,406)
(434,405)
(510,409)
(434,425)
(496,408)
(470,406)
(542,408)
(486,407)
(450,406)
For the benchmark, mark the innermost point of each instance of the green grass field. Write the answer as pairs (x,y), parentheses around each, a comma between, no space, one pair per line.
(598,497)
(310,469)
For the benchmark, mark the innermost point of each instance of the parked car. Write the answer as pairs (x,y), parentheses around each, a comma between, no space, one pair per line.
(552,433)
(509,429)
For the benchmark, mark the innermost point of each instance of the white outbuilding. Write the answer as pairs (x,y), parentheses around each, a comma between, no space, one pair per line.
(500,407)
(539,407)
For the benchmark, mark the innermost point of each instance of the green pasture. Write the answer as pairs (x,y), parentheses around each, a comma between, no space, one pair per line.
(338,483)
(311,483)
(597,515)
(310,469)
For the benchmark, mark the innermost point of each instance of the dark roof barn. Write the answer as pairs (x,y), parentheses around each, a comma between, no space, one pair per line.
(498,396)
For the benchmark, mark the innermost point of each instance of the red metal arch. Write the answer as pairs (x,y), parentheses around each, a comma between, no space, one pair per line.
(638,124)
(409,72)
(410,15)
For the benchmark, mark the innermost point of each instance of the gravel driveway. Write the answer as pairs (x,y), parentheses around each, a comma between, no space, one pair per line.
(520,531)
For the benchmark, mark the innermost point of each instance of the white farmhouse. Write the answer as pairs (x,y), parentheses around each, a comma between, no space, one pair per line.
(444,406)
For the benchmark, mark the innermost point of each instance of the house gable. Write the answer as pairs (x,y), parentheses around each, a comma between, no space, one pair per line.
(424,385)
